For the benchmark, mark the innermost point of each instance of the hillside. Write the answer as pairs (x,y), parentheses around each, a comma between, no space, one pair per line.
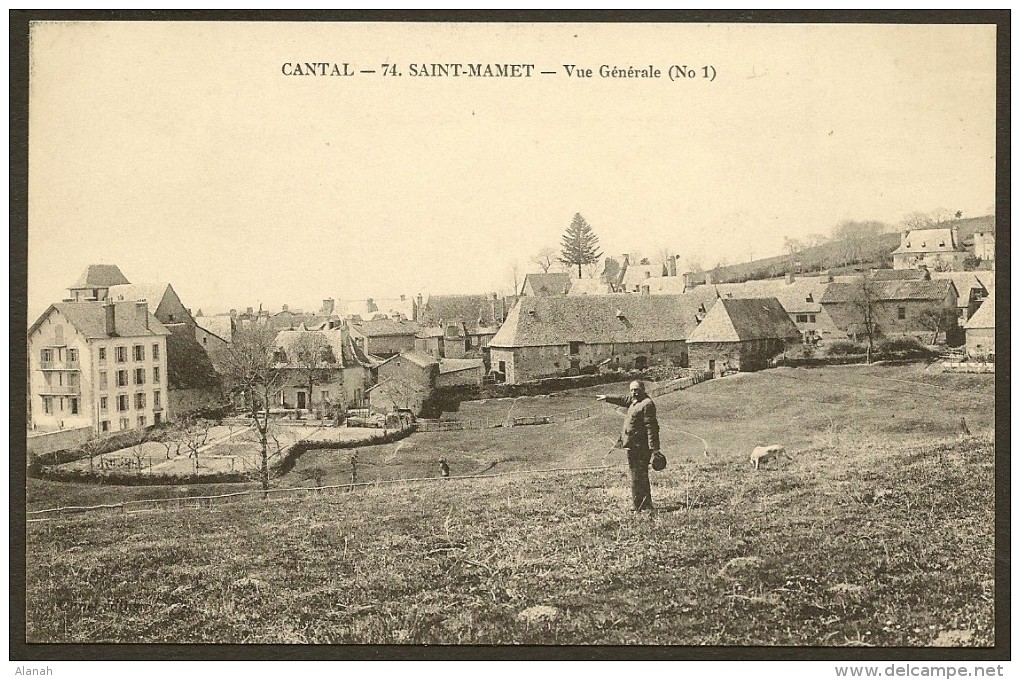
(878,533)
(872,252)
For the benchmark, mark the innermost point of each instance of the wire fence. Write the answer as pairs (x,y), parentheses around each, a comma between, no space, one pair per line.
(213,501)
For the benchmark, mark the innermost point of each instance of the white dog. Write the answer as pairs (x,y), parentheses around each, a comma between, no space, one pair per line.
(763,454)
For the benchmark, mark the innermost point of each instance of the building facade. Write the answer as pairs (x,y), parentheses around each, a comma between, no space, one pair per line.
(742,335)
(100,365)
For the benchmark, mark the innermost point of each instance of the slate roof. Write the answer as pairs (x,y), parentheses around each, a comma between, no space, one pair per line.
(929,241)
(89,319)
(419,358)
(220,326)
(589,287)
(802,296)
(966,281)
(337,340)
(150,292)
(100,276)
(936,290)
(366,309)
(187,364)
(735,320)
(454,365)
(550,283)
(665,285)
(380,328)
(984,317)
(593,319)
(467,309)
(639,274)
(898,274)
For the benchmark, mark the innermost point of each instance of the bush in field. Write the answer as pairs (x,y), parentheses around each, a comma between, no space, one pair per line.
(844,347)
(905,348)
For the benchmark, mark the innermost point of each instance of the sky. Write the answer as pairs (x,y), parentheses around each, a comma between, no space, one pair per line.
(183,154)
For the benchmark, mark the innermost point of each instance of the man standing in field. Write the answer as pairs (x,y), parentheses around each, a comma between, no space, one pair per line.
(641,439)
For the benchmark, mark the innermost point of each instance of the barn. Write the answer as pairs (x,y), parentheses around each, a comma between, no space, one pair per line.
(741,335)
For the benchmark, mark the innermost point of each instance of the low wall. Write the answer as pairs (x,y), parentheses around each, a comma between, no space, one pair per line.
(40,443)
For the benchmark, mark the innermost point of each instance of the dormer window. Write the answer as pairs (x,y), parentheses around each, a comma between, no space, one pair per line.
(619,314)
(809,298)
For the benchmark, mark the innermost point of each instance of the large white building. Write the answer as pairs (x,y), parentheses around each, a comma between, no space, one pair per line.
(100,364)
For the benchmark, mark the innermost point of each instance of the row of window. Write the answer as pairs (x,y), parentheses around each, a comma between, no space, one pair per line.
(52,405)
(124,402)
(47,354)
(122,377)
(806,318)
(120,354)
(125,423)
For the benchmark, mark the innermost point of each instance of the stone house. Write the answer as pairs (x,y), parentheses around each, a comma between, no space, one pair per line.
(980,330)
(341,379)
(741,335)
(899,307)
(384,337)
(939,249)
(547,336)
(467,324)
(408,379)
(800,296)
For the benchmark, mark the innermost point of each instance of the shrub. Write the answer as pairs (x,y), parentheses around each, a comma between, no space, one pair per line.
(845,347)
(905,347)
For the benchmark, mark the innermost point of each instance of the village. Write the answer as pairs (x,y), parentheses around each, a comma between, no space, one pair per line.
(118,359)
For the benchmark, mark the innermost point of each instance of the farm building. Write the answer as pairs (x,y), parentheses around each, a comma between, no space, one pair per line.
(938,248)
(898,307)
(741,335)
(546,336)
(800,296)
(980,330)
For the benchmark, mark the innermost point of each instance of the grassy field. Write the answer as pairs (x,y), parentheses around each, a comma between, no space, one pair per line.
(878,533)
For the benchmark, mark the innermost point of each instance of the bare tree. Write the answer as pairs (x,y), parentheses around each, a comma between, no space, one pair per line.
(172,438)
(937,319)
(816,239)
(927,220)
(695,263)
(865,305)
(138,440)
(545,259)
(195,434)
(251,366)
(854,236)
(313,358)
(92,447)
(515,275)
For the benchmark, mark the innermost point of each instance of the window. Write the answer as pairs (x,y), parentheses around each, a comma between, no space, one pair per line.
(155,374)
(139,376)
(102,356)
(46,355)
(811,318)
(139,352)
(802,318)
(47,405)
(575,347)
(141,421)
(72,355)
(901,313)
(156,400)
(104,426)
(102,380)
(125,423)
(122,402)
(122,378)
(104,404)
(74,405)
(140,401)
(960,311)
(121,354)
(155,352)
(324,395)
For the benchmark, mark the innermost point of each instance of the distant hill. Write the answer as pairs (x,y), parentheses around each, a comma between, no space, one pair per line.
(873,252)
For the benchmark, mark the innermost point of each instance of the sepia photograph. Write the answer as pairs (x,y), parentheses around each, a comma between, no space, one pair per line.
(519,337)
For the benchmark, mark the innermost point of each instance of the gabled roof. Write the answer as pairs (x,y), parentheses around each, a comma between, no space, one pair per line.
(89,319)
(379,328)
(418,358)
(936,290)
(665,285)
(735,320)
(984,317)
(937,240)
(150,292)
(967,281)
(638,274)
(454,365)
(801,296)
(594,286)
(597,319)
(220,326)
(100,276)
(549,283)
(471,310)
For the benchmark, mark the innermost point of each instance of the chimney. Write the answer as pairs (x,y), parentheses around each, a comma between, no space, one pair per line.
(626,259)
(904,235)
(233,313)
(955,231)
(251,311)
(671,264)
(285,308)
(709,280)
(327,307)
(110,309)
(143,312)
(402,298)
(789,278)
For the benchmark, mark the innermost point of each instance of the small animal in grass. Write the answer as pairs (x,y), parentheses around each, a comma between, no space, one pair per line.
(763,454)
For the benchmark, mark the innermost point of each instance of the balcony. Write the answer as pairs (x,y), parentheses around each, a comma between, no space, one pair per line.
(73,390)
(60,365)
